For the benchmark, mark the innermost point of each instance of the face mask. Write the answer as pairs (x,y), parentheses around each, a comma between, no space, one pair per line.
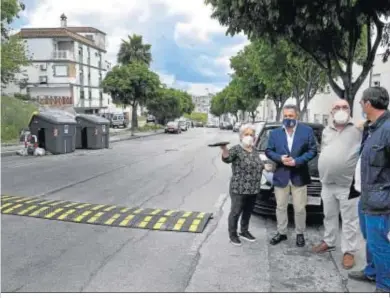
(289,122)
(341,117)
(247,141)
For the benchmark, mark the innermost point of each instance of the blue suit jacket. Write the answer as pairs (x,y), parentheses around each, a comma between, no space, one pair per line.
(303,150)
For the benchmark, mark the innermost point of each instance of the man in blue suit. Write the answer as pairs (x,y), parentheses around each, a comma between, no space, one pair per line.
(291,147)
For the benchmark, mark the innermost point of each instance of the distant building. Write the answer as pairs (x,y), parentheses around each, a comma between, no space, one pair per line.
(67,66)
(202,103)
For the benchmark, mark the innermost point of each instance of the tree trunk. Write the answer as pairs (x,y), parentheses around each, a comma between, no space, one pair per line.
(134,120)
(278,113)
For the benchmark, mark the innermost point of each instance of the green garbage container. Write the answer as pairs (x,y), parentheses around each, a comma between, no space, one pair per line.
(93,132)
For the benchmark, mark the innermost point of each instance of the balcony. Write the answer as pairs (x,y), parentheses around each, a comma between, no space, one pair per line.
(63,55)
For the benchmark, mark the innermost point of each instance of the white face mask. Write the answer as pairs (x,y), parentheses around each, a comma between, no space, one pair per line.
(247,141)
(341,117)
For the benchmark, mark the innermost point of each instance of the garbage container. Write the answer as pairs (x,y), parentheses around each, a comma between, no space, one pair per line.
(55,130)
(93,132)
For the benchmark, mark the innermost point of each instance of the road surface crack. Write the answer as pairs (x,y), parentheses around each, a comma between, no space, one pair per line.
(109,258)
(213,226)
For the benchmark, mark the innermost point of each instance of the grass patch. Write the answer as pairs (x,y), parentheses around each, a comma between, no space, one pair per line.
(141,118)
(150,127)
(15,115)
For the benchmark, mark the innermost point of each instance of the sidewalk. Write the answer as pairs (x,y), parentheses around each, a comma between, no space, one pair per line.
(260,267)
(11,149)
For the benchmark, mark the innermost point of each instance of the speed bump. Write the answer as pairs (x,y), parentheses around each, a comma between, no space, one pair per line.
(107,215)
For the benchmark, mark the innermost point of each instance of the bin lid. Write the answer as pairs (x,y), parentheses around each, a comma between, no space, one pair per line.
(55,117)
(92,119)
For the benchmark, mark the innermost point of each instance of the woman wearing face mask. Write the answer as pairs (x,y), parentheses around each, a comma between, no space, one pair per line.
(245,184)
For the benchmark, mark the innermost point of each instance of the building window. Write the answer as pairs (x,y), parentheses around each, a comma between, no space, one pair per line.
(90,94)
(327,89)
(61,70)
(89,36)
(325,119)
(82,95)
(42,79)
(317,118)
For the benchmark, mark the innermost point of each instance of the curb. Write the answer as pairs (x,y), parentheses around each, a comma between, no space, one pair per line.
(11,153)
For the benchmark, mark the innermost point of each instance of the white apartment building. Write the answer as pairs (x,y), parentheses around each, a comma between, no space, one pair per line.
(321,104)
(67,67)
(202,103)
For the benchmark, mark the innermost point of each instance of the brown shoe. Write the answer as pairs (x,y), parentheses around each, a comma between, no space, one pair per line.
(348,261)
(322,248)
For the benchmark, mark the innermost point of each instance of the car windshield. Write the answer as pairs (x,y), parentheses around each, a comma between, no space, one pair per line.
(263,142)
(171,124)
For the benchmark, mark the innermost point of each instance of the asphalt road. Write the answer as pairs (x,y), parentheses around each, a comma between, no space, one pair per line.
(165,171)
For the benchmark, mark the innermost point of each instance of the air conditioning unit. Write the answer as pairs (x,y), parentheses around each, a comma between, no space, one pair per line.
(44,66)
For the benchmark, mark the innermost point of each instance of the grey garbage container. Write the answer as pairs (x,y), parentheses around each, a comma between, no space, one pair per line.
(93,132)
(55,131)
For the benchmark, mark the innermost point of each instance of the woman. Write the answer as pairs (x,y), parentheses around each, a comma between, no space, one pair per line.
(245,183)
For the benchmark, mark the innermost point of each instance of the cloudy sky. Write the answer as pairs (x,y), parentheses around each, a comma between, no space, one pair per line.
(190,50)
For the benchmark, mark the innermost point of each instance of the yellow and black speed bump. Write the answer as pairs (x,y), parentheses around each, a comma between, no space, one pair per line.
(109,215)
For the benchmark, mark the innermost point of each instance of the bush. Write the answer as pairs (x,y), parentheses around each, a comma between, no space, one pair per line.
(15,115)
(150,127)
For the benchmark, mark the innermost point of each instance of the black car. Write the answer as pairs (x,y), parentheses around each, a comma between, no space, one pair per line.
(266,203)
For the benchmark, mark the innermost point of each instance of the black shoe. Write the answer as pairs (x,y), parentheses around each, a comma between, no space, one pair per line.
(300,240)
(360,276)
(235,240)
(247,236)
(278,238)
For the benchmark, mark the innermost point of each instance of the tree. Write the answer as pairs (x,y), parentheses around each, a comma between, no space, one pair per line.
(132,84)
(165,105)
(134,50)
(218,104)
(331,32)
(13,49)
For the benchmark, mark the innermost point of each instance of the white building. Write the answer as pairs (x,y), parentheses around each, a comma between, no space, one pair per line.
(321,104)
(202,103)
(67,67)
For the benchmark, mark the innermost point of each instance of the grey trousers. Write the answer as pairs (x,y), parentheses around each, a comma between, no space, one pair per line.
(242,205)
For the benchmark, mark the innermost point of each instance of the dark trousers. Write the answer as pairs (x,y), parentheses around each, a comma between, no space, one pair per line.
(242,205)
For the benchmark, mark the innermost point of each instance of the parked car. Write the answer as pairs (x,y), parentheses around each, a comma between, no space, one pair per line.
(226,125)
(236,126)
(266,203)
(183,125)
(150,118)
(173,127)
(199,124)
(118,120)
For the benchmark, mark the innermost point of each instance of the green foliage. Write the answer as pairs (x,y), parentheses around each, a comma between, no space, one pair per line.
(331,32)
(198,117)
(150,127)
(15,115)
(13,49)
(133,50)
(165,105)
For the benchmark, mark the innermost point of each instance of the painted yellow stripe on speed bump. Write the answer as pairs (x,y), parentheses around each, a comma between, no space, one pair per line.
(71,205)
(32,201)
(66,214)
(10,198)
(83,206)
(156,211)
(95,217)
(201,215)
(112,219)
(145,221)
(57,203)
(160,222)
(110,208)
(125,210)
(23,212)
(22,200)
(179,224)
(35,213)
(194,225)
(138,211)
(170,212)
(126,220)
(50,215)
(80,217)
(5,205)
(12,208)
(187,214)
(98,207)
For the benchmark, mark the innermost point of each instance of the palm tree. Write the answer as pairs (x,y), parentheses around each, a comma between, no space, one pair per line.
(133,49)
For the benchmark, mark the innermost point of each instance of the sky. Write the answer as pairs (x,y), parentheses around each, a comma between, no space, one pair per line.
(190,50)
